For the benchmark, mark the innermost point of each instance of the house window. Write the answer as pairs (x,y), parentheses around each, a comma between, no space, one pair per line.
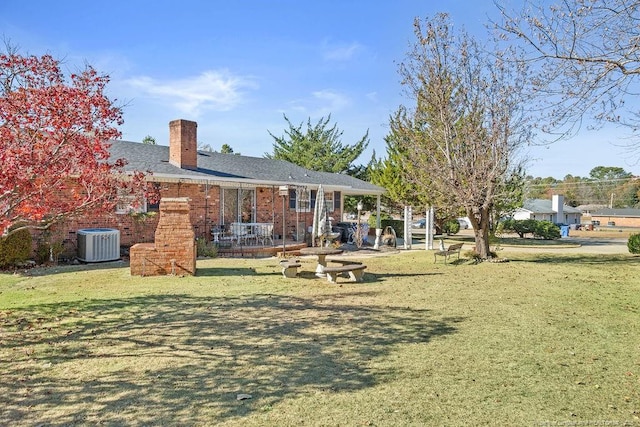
(303,198)
(238,205)
(328,200)
(293,200)
(336,200)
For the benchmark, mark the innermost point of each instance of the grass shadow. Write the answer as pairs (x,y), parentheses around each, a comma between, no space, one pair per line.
(164,359)
(225,271)
(66,268)
(578,259)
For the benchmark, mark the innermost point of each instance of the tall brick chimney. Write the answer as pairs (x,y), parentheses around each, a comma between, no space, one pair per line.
(183,144)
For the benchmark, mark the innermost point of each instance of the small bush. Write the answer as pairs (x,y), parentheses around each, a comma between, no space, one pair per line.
(542,229)
(205,249)
(521,227)
(634,244)
(47,252)
(525,226)
(451,226)
(546,230)
(15,248)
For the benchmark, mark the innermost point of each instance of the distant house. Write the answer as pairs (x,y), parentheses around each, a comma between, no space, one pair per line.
(553,210)
(222,189)
(626,217)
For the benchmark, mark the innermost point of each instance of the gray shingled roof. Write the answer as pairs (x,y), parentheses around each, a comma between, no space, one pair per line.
(543,206)
(217,167)
(622,212)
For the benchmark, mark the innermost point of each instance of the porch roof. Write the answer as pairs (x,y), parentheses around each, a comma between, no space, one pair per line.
(229,169)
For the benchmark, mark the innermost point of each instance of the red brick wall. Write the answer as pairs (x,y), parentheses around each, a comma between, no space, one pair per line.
(174,248)
(204,214)
(620,221)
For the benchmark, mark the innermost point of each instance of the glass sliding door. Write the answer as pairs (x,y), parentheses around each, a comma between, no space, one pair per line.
(238,205)
(247,203)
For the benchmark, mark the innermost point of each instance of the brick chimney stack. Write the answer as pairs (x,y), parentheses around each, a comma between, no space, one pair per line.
(183,144)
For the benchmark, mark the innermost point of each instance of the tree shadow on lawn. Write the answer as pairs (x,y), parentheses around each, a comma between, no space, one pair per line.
(225,271)
(579,259)
(172,359)
(48,270)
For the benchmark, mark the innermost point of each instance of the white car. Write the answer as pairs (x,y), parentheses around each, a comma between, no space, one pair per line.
(464,223)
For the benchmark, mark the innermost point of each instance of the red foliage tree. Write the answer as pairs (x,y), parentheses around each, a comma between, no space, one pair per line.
(54,141)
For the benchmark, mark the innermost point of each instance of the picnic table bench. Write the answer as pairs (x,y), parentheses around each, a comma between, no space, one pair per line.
(353,269)
(446,253)
(290,267)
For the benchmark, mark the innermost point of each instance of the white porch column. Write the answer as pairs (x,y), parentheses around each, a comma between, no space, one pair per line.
(429,227)
(407,227)
(378,225)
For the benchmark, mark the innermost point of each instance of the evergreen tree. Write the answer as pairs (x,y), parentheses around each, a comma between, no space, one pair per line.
(149,140)
(317,148)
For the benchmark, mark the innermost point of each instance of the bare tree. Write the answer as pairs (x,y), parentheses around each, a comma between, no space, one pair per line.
(588,57)
(463,135)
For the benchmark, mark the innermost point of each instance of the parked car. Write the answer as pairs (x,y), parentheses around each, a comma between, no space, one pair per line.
(464,223)
(421,223)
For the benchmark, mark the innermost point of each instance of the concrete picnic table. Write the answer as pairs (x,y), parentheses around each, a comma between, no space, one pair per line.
(321,253)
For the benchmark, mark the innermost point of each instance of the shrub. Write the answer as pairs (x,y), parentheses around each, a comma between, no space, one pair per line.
(543,229)
(519,226)
(525,226)
(634,244)
(49,246)
(546,230)
(451,226)
(205,249)
(46,252)
(15,248)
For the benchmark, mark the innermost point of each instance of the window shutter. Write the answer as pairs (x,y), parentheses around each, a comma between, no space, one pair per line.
(336,199)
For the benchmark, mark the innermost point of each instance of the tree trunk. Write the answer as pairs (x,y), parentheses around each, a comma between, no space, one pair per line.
(480,221)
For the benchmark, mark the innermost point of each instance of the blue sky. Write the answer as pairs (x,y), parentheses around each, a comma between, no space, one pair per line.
(236,67)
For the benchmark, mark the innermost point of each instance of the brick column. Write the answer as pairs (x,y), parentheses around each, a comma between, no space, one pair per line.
(174,249)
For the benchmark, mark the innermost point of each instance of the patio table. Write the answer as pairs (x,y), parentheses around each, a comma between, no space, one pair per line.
(321,253)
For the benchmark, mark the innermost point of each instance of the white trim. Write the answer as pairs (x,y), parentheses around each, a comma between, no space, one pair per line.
(221,181)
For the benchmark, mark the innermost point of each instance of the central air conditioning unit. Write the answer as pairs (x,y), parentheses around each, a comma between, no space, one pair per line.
(98,244)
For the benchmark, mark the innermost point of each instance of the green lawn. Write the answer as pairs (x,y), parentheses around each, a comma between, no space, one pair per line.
(540,340)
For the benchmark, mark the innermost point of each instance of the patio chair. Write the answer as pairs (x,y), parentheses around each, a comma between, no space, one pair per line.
(265,233)
(239,232)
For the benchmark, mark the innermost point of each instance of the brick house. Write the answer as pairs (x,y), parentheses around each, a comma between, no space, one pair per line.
(620,217)
(222,189)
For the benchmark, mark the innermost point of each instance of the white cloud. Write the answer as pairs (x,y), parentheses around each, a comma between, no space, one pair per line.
(341,52)
(320,104)
(211,90)
(332,101)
